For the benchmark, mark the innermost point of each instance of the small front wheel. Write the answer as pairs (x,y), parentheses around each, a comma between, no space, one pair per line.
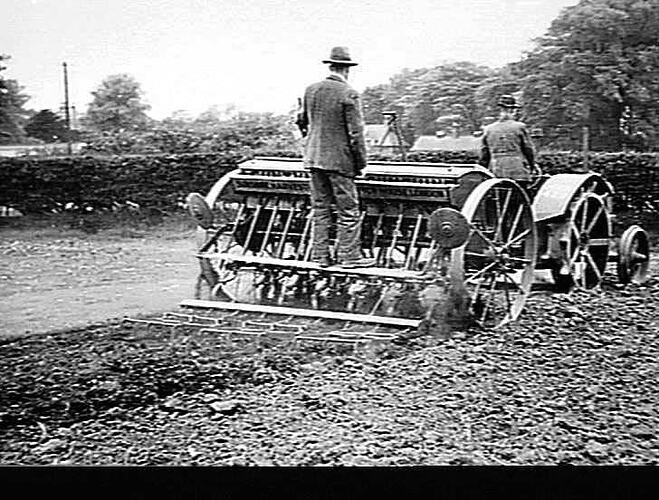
(633,256)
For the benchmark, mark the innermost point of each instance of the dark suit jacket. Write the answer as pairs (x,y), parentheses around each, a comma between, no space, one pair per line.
(504,147)
(331,120)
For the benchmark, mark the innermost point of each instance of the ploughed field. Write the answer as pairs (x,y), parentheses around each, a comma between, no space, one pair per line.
(573,381)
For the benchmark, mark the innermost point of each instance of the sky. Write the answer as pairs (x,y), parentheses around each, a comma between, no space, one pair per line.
(256,54)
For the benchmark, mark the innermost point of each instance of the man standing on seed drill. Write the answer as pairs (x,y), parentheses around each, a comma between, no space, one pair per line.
(334,152)
(506,147)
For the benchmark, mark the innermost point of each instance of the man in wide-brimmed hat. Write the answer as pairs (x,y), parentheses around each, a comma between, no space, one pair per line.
(506,147)
(335,152)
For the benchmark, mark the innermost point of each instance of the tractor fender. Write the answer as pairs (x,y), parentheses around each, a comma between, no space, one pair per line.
(554,196)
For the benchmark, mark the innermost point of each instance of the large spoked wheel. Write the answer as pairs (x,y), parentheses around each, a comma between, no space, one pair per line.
(585,244)
(217,281)
(228,283)
(633,256)
(498,259)
(255,231)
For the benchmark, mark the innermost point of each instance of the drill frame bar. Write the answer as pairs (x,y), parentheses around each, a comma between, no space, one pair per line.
(378,272)
(293,311)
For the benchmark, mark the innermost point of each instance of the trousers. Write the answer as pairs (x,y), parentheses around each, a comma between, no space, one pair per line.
(329,188)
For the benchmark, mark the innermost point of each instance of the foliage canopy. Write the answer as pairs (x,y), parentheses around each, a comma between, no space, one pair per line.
(47,126)
(597,66)
(430,99)
(12,113)
(117,105)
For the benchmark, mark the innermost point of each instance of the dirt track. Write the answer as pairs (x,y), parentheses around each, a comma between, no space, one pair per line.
(54,280)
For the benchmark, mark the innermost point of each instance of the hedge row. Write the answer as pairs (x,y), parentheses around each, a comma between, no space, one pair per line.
(635,176)
(163,181)
(98,183)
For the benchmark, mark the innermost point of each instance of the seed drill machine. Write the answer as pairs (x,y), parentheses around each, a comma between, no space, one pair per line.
(435,230)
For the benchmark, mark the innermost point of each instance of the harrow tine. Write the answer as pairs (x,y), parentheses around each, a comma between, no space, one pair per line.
(187,317)
(380,336)
(378,227)
(252,226)
(150,322)
(412,246)
(232,236)
(325,340)
(432,255)
(292,328)
(394,238)
(268,230)
(191,319)
(378,303)
(262,324)
(284,233)
(232,330)
(256,327)
(232,314)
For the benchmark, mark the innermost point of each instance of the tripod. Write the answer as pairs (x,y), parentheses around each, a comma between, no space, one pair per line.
(392,128)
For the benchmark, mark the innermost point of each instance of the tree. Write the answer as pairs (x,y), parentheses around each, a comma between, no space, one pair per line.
(47,126)
(215,115)
(12,114)
(117,105)
(597,66)
(430,99)
(502,81)
(375,100)
(181,118)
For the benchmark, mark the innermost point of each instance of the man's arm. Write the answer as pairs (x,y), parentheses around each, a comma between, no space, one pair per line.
(484,158)
(528,150)
(302,120)
(355,128)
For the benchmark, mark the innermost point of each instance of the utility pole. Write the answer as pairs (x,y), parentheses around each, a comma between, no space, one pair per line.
(66,110)
(74,117)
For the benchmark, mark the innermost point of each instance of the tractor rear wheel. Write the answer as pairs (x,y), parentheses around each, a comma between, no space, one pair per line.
(585,244)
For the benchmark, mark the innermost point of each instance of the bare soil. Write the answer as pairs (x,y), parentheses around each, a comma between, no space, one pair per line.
(55,276)
(573,381)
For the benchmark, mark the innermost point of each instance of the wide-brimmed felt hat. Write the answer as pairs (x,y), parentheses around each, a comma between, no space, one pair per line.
(341,56)
(507,101)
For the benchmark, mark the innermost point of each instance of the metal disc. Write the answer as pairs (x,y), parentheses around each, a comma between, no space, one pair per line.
(199,210)
(448,227)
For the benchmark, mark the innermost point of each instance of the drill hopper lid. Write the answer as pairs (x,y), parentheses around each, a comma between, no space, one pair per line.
(423,169)
(291,166)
